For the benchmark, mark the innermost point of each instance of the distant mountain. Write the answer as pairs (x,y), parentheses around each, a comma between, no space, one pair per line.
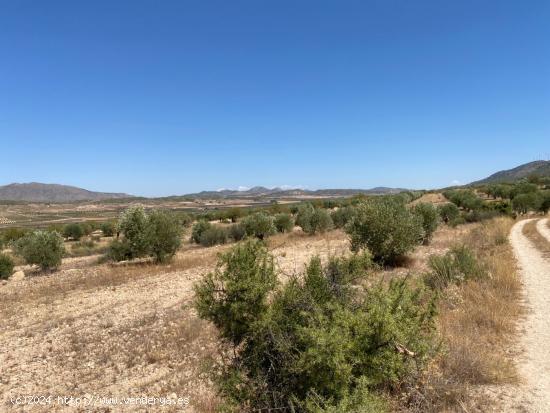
(260,191)
(37,192)
(539,168)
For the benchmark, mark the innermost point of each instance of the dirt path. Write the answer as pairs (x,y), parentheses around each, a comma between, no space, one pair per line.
(534,365)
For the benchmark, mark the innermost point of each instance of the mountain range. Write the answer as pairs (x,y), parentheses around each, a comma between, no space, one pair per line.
(37,192)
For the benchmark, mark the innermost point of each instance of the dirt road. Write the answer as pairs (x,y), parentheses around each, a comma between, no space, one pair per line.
(534,366)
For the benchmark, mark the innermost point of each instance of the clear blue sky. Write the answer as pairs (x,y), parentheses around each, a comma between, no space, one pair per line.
(171,97)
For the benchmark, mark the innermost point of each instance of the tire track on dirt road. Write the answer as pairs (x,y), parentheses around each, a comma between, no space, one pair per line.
(534,364)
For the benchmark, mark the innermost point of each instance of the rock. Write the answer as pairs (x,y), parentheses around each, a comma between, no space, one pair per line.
(17,276)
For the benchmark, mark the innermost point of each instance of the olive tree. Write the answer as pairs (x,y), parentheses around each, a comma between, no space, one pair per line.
(43,248)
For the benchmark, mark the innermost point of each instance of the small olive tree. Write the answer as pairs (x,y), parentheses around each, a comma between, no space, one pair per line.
(386,227)
(73,231)
(163,235)
(43,248)
(259,225)
(284,222)
(198,229)
(133,225)
(430,219)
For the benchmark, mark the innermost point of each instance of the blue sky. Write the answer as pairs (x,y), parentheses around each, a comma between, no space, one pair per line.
(171,97)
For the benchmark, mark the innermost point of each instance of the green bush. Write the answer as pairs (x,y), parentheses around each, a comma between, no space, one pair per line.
(10,235)
(342,216)
(214,235)
(108,229)
(386,227)
(448,212)
(456,266)
(284,222)
(163,235)
(525,202)
(236,232)
(313,220)
(319,344)
(198,229)
(464,198)
(259,225)
(6,266)
(321,221)
(42,248)
(234,295)
(303,217)
(429,217)
(73,231)
(157,234)
(119,251)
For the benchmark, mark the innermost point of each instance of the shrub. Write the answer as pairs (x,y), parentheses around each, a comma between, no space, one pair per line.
(386,227)
(320,221)
(525,202)
(318,345)
(11,235)
(545,202)
(108,229)
(313,220)
(6,266)
(42,248)
(284,222)
(448,212)
(119,251)
(259,225)
(457,265)
(234,214)
(73,231)
(163,235)
(236,232)
(198,229)
(133,225)
(429,217)
(342,216)
(303,217)
(213,236)
(464,198)
(234,295)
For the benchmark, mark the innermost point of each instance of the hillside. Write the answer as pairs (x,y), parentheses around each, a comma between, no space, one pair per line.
(37,192)
(540,168)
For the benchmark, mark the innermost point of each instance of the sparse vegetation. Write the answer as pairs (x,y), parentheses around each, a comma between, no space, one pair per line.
(108,229)
(198,229)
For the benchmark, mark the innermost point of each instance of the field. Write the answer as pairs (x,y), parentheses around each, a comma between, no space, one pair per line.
(105,331)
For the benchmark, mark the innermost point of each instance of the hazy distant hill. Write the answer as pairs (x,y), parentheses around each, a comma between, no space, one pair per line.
(37,192)
(540,168)
(260,191)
